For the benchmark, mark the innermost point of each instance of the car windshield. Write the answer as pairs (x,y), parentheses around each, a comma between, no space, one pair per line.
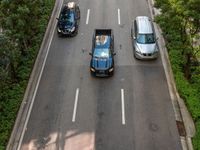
(145,38)
(67,17)
(101,53)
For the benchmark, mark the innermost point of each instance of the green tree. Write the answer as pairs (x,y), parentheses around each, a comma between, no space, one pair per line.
(19,20)
(184,18)
(9,57)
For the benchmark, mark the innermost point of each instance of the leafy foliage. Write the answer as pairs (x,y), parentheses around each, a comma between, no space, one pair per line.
(180,21)
(196,141)
(23,23)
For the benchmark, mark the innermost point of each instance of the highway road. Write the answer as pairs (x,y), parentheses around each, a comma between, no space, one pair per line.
(73,111)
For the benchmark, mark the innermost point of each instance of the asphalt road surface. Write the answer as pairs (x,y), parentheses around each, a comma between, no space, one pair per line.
(130,111)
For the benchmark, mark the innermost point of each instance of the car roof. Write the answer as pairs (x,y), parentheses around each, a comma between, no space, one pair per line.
(144,24)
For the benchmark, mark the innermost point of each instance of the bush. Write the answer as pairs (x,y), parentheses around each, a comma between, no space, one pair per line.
(11,93)
(196,140)
(188,90)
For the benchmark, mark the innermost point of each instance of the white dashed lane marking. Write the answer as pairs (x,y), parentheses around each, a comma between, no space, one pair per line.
(119,21)
(88,16)
(123,107)
(75,105)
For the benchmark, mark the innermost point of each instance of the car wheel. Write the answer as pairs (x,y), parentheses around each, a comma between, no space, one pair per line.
(112,73)
(135,55)
(92,74)
(131,33)
(76,31)
(59,34)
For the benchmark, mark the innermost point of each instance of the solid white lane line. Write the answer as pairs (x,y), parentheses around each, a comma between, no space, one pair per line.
(75,105)
(36,88)
(88,16)
(119,21)
(123,107)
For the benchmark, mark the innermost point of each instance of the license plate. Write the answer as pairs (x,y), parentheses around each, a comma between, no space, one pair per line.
(101,71)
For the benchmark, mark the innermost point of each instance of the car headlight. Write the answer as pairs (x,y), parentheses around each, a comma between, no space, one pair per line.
(72,29)
(59,30)
(111,69)
(92,69)
(137,49)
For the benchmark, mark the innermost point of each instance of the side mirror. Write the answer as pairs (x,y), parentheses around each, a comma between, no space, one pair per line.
(157,38)
(90,53)
(57,18)
(114,53)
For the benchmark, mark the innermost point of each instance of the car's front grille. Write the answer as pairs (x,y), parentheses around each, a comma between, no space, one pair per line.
(147,54)
(66,31)
(101,71)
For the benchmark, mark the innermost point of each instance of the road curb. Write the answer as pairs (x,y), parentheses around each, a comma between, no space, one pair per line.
(180,110)
(26,102)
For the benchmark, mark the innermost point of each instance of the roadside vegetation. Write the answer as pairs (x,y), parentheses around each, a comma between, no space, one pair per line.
(22,26)
(180,23)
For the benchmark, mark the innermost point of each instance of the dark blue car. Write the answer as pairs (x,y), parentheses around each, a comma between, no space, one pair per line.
(102,61)
(68,20)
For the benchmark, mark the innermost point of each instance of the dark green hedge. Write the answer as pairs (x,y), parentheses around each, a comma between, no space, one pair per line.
(188,90)
(11,93)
